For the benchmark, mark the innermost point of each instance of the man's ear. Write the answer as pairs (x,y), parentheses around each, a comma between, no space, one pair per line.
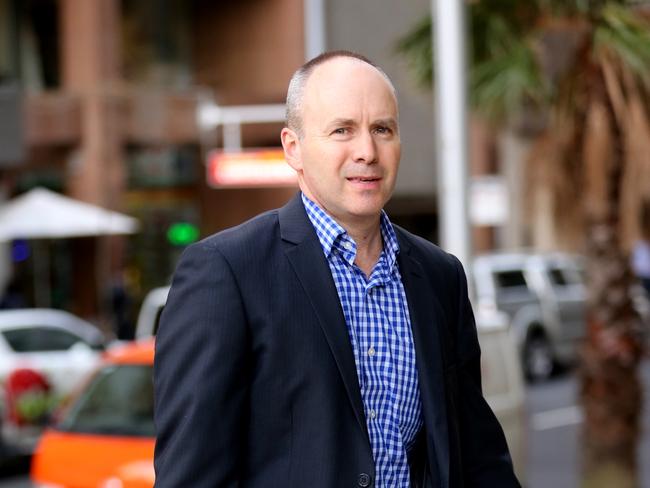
(291,145)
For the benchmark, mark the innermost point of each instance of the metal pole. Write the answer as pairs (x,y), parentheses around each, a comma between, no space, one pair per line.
(451,125)
(314,28)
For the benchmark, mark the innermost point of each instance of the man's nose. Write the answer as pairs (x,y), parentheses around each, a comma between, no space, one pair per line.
(365,149)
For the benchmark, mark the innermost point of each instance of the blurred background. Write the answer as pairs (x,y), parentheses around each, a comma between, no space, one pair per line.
(132,128)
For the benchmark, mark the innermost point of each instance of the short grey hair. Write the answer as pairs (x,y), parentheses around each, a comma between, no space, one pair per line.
(299,81)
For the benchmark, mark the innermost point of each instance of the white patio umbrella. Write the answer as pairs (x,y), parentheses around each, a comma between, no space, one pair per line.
(44,214)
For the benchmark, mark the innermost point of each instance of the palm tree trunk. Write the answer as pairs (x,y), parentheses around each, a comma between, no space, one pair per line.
(611,392)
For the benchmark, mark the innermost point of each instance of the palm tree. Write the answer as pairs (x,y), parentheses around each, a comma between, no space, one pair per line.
(584,67)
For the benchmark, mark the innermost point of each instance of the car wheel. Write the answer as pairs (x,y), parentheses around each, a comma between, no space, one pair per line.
(538,358)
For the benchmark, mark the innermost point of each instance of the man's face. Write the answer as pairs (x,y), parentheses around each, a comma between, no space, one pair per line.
(349,152)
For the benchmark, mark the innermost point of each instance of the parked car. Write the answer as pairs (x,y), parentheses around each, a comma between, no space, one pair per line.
(150,310)
(52,347)
(544,297)
(105,437)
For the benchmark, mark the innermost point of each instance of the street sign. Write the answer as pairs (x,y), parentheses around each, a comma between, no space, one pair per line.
(250,168)
(488,201)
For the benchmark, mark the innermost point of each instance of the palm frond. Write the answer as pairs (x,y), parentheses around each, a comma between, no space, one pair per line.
(417,48)
(625,35)
(509,77)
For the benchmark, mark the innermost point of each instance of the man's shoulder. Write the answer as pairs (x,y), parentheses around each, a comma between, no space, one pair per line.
(425,250)
(255,232)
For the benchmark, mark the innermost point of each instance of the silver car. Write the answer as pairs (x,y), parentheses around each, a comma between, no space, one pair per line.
(544,296)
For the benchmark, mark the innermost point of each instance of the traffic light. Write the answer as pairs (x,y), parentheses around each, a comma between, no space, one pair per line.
(182,233)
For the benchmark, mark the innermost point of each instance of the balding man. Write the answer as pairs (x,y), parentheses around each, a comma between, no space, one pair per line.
(318,345)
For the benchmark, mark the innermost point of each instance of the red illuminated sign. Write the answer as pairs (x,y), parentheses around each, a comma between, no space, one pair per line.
(250,168)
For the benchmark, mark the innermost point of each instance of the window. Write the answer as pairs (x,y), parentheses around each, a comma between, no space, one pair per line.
(563,276)
(29,43)
(557,277)
(118,401)
(40,339)
(510,279)
(157,37)
(157,322)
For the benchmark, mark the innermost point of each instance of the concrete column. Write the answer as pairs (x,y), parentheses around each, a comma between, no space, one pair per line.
(90,57)
(90,70)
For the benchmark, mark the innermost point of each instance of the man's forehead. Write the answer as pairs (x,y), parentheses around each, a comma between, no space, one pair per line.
(343,83)
(340,68)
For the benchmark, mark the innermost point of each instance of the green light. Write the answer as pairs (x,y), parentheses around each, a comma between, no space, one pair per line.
(182,233)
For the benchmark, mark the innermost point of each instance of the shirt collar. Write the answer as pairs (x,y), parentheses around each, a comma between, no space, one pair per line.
(330,232)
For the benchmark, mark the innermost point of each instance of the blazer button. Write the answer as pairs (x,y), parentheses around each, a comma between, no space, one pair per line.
(364,480)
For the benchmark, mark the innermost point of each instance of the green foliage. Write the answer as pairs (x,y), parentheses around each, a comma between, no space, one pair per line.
(505,75)
(34,406)
(625,35)
(505,69)
(417,47)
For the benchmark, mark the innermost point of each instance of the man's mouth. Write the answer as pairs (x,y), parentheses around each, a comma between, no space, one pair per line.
(363,179)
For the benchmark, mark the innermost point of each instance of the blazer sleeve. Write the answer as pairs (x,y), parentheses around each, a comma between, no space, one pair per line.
(200,375)
(486,461)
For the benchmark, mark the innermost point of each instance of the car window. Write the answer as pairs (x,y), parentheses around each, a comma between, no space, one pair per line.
(157,322)
(557,277)
(117,401)
(40,339)
(510,279)
(563,277)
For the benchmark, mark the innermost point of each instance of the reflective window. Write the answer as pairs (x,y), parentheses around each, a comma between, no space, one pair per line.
(40,339)
(563,276)
(510,279)
(157,322)
(557,277)
(118,401)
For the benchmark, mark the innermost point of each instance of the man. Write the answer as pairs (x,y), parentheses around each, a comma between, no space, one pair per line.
(317,345)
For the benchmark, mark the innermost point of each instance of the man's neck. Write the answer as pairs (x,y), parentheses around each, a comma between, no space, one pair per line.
(369,243)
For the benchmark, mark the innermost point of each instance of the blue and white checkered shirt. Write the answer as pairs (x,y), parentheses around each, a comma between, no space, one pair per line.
(376,313)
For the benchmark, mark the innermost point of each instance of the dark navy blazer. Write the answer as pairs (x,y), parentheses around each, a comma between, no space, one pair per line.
(255,381)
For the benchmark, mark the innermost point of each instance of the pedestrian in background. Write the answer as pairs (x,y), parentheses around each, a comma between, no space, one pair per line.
(318,345)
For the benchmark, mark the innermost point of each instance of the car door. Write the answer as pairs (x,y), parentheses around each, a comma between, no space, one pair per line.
(512,290)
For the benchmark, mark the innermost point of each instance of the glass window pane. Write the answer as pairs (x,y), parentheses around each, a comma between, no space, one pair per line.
(510,279)
(557,277)
(40,339)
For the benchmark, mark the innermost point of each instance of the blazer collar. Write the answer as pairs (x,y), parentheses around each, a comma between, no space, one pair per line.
(304,251)
(427,323)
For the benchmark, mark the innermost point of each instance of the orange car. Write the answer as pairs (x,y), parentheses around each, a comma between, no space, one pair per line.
(105,436)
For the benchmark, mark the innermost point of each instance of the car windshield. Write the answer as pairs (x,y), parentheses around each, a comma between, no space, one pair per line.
(117,401)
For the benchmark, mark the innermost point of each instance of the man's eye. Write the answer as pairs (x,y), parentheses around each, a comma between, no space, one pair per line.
(340,131)
(383,130)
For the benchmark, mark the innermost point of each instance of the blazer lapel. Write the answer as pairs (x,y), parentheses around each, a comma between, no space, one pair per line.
(310,265)
(426,320)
